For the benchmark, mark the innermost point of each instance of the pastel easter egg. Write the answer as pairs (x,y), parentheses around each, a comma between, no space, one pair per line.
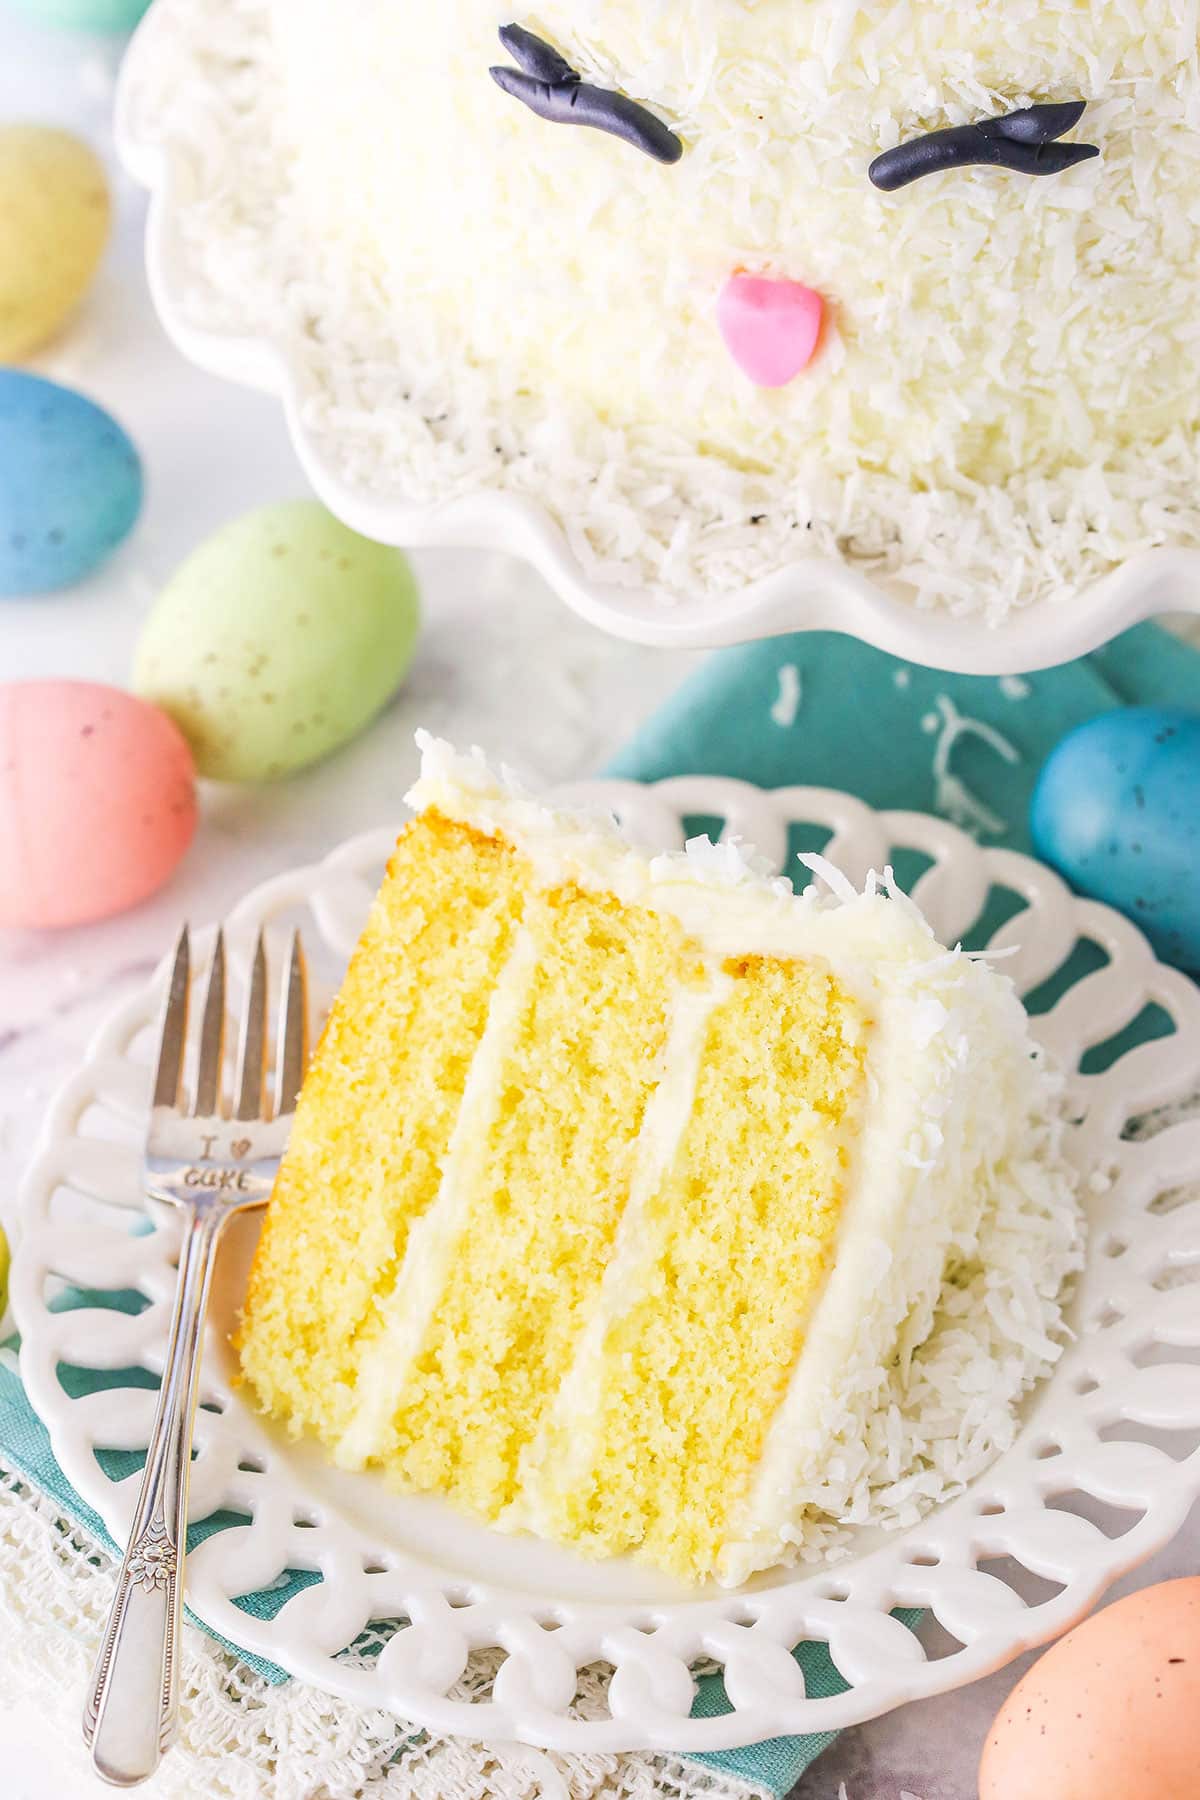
(278,640)
(97,802)
(54,222)
(1117,811)
(1113,1709)
(87,15)
(70,485)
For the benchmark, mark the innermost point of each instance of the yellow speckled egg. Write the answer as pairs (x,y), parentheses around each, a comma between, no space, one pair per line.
(1113,1709)
(54,218)
(278,640)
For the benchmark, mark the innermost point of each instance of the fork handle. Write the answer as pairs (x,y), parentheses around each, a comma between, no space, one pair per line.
(133,1698)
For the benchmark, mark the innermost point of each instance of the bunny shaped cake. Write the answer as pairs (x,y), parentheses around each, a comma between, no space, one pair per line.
(725,283)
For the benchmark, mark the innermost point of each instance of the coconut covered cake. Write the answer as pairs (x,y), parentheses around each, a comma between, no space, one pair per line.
(650,1207)
(729,283)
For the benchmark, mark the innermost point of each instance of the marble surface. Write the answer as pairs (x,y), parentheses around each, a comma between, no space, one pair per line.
(501,663)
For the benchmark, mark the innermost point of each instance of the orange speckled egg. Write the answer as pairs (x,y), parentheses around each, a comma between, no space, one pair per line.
(1113,1709)
(97,802)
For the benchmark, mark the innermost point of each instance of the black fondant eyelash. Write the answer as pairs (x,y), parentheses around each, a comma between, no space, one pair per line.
(547,84)
(1023,141)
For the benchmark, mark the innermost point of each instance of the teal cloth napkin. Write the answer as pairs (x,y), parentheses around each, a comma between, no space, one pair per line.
(816,709)
(862,720)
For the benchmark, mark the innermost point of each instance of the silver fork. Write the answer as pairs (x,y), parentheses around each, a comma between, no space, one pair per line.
(211,1167)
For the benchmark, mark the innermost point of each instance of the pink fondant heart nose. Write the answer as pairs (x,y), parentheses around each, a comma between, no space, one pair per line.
(770,327)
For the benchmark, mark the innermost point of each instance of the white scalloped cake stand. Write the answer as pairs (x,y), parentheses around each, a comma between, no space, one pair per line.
(816,593)
(1104,1431)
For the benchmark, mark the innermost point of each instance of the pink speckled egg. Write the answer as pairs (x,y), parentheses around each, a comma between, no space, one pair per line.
(1112,1710)
(97,802)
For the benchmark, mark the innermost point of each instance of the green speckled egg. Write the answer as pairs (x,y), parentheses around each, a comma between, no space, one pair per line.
(278,640)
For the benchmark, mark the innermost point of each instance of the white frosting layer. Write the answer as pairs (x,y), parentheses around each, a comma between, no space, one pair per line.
(959,1148)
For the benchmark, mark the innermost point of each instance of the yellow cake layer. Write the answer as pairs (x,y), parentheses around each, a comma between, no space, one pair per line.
(733,1249)
(547,1192)
(379,1103)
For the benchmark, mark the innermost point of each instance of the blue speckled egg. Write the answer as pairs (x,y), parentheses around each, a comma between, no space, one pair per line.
(70,485)
(1117,811)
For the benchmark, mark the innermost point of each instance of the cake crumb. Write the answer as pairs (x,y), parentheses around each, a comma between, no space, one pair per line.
(1015,687)
(791,695)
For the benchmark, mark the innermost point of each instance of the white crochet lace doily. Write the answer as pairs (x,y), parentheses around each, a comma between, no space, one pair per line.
(1113,1432)
(242,1737)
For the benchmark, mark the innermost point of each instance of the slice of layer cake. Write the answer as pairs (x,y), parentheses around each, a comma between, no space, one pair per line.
(622,1193)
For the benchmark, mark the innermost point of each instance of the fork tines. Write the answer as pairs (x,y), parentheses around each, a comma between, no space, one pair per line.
(250,1084)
